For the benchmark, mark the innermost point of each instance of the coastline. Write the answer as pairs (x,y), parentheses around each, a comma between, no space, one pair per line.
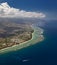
(36,37)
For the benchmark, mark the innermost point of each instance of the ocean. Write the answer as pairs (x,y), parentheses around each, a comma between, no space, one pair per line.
(42,53)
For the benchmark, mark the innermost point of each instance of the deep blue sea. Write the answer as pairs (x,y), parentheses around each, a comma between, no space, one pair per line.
(43,53)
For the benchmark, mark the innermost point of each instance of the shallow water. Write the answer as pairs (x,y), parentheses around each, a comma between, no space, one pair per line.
(43,53)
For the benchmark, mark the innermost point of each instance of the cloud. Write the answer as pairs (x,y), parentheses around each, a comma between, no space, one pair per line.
(7,11)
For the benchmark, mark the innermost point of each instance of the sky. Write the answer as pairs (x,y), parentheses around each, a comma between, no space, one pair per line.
(46,7)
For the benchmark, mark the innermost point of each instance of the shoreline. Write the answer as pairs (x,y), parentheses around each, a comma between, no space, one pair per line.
(36,37)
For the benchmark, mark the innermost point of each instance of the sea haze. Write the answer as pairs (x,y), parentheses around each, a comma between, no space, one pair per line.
(40,13)
(43,53)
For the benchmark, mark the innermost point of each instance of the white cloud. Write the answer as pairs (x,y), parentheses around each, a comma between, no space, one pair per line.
(7,11)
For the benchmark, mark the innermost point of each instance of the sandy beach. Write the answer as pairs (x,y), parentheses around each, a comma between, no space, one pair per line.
(37,36)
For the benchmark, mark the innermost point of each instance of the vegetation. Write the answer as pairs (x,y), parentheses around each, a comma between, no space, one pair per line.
(13,33)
